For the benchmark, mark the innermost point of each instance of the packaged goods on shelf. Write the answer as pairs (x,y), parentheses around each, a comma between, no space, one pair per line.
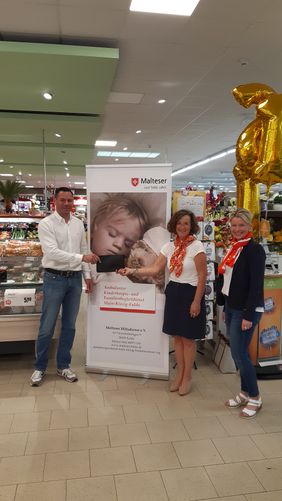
(209,250)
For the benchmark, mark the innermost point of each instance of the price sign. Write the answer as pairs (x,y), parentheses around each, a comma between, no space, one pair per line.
(19,297)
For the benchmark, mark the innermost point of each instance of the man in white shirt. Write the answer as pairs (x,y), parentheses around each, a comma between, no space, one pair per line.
(65,259)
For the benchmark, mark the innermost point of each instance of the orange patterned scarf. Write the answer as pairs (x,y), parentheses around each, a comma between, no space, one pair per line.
(233,253)
(176,260)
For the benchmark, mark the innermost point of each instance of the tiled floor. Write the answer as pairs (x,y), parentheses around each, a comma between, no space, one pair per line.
(112,438)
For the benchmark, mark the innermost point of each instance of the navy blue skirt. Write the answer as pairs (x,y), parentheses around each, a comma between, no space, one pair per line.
(177,318)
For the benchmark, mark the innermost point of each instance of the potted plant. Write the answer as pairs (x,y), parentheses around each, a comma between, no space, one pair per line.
(10,190)
(277,202)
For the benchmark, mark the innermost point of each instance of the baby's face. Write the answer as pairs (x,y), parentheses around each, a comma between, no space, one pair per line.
(115,234)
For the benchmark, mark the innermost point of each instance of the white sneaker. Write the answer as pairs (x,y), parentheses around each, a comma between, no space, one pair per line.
(68,374)
(36,378)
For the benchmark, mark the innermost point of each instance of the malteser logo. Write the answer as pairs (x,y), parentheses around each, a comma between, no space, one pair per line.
(135,181)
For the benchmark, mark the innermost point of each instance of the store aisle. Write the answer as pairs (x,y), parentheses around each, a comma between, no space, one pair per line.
(115,438)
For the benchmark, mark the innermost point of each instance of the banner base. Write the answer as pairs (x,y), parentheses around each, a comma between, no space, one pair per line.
(113,372)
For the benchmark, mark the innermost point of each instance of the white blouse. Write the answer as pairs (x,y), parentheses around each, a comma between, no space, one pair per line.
(189,273)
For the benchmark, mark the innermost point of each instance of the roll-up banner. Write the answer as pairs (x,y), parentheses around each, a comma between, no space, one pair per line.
(128,209)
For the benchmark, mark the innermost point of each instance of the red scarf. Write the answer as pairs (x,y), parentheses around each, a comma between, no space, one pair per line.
(233,253)
(176,260)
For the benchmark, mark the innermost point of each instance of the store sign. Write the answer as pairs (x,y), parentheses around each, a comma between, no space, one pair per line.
(19,297)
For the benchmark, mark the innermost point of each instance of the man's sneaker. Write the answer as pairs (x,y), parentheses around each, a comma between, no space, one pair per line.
(68,374)
(36,378)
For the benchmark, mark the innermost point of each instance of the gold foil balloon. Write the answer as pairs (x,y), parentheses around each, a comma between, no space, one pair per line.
(259,146)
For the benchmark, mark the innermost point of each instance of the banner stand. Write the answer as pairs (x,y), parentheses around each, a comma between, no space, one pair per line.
(128,209)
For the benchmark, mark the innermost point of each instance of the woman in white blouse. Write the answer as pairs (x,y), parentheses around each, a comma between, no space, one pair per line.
(184,315)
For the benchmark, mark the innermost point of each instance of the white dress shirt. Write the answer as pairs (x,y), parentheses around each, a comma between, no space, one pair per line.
(63,244)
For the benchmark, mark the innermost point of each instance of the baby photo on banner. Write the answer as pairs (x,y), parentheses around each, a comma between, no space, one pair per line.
(127,217)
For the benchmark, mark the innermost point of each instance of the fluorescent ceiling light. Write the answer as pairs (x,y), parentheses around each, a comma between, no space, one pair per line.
(173,7)
(125,148)
(127,154)
(65,162)
(7,175)
(204,161)
(29,186)
(66,168)
(162,101)
(78,182)
(57,134)
(1,160)
(47,95)
(138,131)
(105,143)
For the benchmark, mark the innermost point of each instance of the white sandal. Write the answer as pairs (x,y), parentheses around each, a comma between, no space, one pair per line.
(238,401)
(250,413)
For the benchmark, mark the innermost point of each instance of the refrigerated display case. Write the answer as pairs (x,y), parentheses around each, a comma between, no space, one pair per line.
(20,279)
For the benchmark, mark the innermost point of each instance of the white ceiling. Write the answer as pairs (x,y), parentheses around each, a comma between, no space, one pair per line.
(193,62)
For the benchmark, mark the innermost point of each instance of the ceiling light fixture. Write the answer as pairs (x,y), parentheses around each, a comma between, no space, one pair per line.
(127,154)
(1,160)
(29,186)
(68,174)
(66,168)
(11,166)
(105,143)
(7,175)
(125,148)
(176,8)
(78,182)
(138,131)
(116,159)
(204,161)
(65,162)
(57,134)
(47,95)
(30,175)
(162,101)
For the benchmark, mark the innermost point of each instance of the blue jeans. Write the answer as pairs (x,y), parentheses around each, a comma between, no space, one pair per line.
(239,344)
(65,292)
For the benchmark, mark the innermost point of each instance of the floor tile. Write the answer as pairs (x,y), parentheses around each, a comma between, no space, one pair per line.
(140,487)
(231,479)
(101,415)
(62,387)
(112,461)
(5,423)
(209,407)
(72,418)
(141,412)
(265,496)
(147,395)
(177,409)
(119,397)
(31,421)
(188,484)
(12,444)
(270,444)
(269,473)
(90,489)
(125,383)
(234,449)
(234,425)
(7,492)
(85,400)
(50,402)
(204,427)
(16,404)
(270,420)
(100,382)
(167,431)
(47,441)
(21,469)
(155,457)
(128,434)
(229,498)
(45,491)
(197,453)
(67,465)
(92,437)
